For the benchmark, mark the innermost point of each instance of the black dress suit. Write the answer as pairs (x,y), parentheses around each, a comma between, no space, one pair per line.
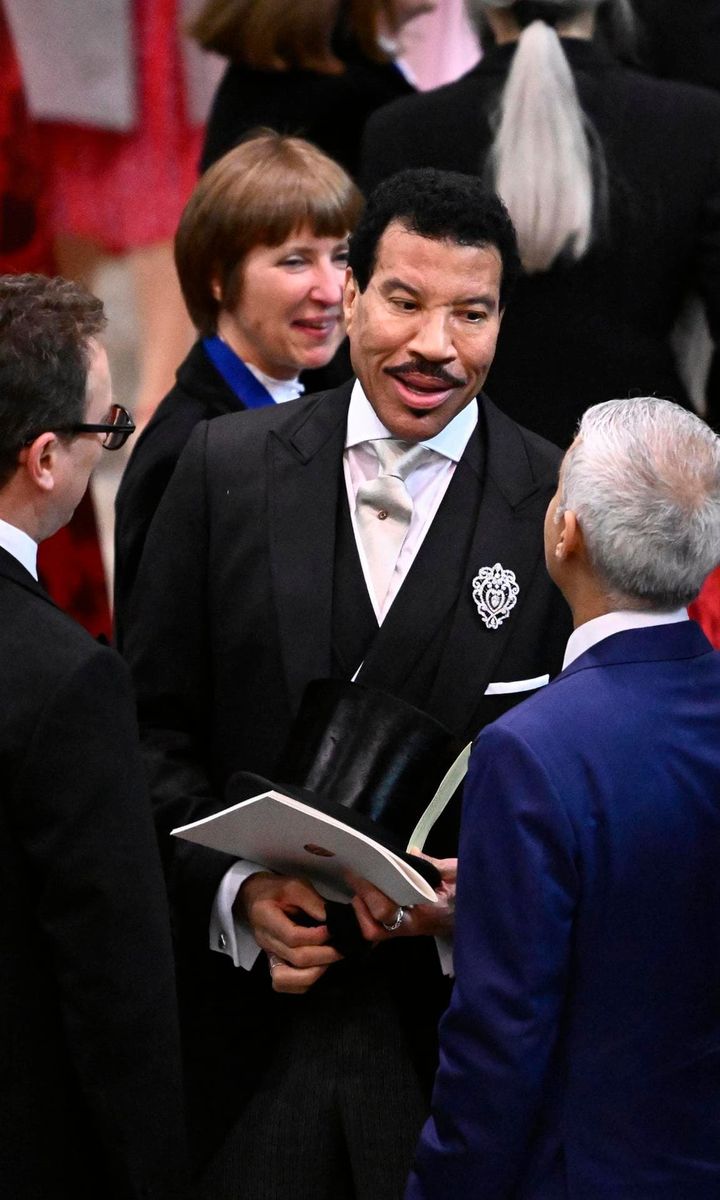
(253,533)
(328,110)
(597,330)
(200,393)
(681,41)
(89,1055)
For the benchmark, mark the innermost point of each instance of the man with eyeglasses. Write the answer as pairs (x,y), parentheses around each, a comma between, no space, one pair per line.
(89,1082)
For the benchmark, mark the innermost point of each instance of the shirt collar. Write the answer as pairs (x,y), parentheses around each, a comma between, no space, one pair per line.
(280,389)
(363,425)
(588,635)
(20,545)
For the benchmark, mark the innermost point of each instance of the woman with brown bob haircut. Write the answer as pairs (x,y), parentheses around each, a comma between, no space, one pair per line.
(314,67)
(261,252)
(271,34)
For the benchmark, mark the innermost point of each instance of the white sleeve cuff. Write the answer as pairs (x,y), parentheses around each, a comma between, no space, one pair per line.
(445,954)
(228,934)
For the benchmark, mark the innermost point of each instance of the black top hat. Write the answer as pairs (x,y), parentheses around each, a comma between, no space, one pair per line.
(363,756)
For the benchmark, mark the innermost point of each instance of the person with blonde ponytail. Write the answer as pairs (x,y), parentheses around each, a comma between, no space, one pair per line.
(612,180)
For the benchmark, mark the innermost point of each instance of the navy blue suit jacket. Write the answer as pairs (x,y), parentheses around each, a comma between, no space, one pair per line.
(581,1053)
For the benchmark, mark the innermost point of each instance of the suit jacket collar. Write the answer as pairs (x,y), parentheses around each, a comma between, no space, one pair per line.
(305,474)
(13,570)
(581,53)
(655,643)
(318,423)
(495,470)
(504,534)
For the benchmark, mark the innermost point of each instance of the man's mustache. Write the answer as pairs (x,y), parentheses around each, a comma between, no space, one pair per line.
(422,366)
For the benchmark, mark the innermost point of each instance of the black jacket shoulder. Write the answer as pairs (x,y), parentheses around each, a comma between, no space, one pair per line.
(200,394)
(328,110)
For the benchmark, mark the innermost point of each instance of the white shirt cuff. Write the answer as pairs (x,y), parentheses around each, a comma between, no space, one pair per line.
(445,954)
(228,934)
(231,936)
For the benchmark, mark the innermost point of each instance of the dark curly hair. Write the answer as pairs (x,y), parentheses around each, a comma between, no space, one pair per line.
(443,205)
(45,327)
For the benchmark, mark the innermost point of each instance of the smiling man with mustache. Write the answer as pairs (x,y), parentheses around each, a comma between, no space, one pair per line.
(268,533)
(424,328)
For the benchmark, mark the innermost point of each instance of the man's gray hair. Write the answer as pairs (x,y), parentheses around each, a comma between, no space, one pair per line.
(643,478)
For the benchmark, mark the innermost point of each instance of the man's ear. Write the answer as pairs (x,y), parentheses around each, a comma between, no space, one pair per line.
(350,294)
(570,540)
(39,460)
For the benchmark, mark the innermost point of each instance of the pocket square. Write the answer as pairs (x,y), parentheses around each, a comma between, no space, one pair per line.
(516,685)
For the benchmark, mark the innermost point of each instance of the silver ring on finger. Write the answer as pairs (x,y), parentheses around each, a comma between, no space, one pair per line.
(275,961)
(396,922)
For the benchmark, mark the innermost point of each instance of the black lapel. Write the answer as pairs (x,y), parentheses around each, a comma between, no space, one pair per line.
(354,624)
(439,589)
(305,472)
(509,531)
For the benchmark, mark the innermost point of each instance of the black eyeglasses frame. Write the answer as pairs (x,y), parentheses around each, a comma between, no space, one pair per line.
(116,433)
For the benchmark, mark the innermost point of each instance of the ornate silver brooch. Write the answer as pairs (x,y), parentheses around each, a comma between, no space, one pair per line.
(495,591)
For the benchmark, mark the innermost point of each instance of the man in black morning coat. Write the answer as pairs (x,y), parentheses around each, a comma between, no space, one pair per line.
(253,583)
(90,1099)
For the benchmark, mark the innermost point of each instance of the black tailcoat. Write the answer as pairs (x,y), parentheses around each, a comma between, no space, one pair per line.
(236,610)
(89,1054)
(200,393)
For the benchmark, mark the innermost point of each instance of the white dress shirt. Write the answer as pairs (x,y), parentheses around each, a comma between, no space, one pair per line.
(20,545)
(592,632)
(281,390)
(427,486)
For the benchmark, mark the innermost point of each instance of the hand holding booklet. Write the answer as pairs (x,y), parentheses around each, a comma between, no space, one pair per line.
(284,833)
(362,775)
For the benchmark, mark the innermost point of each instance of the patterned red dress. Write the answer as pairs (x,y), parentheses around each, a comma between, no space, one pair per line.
(125,190)
(120,190)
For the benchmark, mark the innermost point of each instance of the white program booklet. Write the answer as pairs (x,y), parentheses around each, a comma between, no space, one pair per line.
(288,836)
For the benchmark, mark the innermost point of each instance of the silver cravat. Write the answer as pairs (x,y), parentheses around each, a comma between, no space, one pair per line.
(384,508)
